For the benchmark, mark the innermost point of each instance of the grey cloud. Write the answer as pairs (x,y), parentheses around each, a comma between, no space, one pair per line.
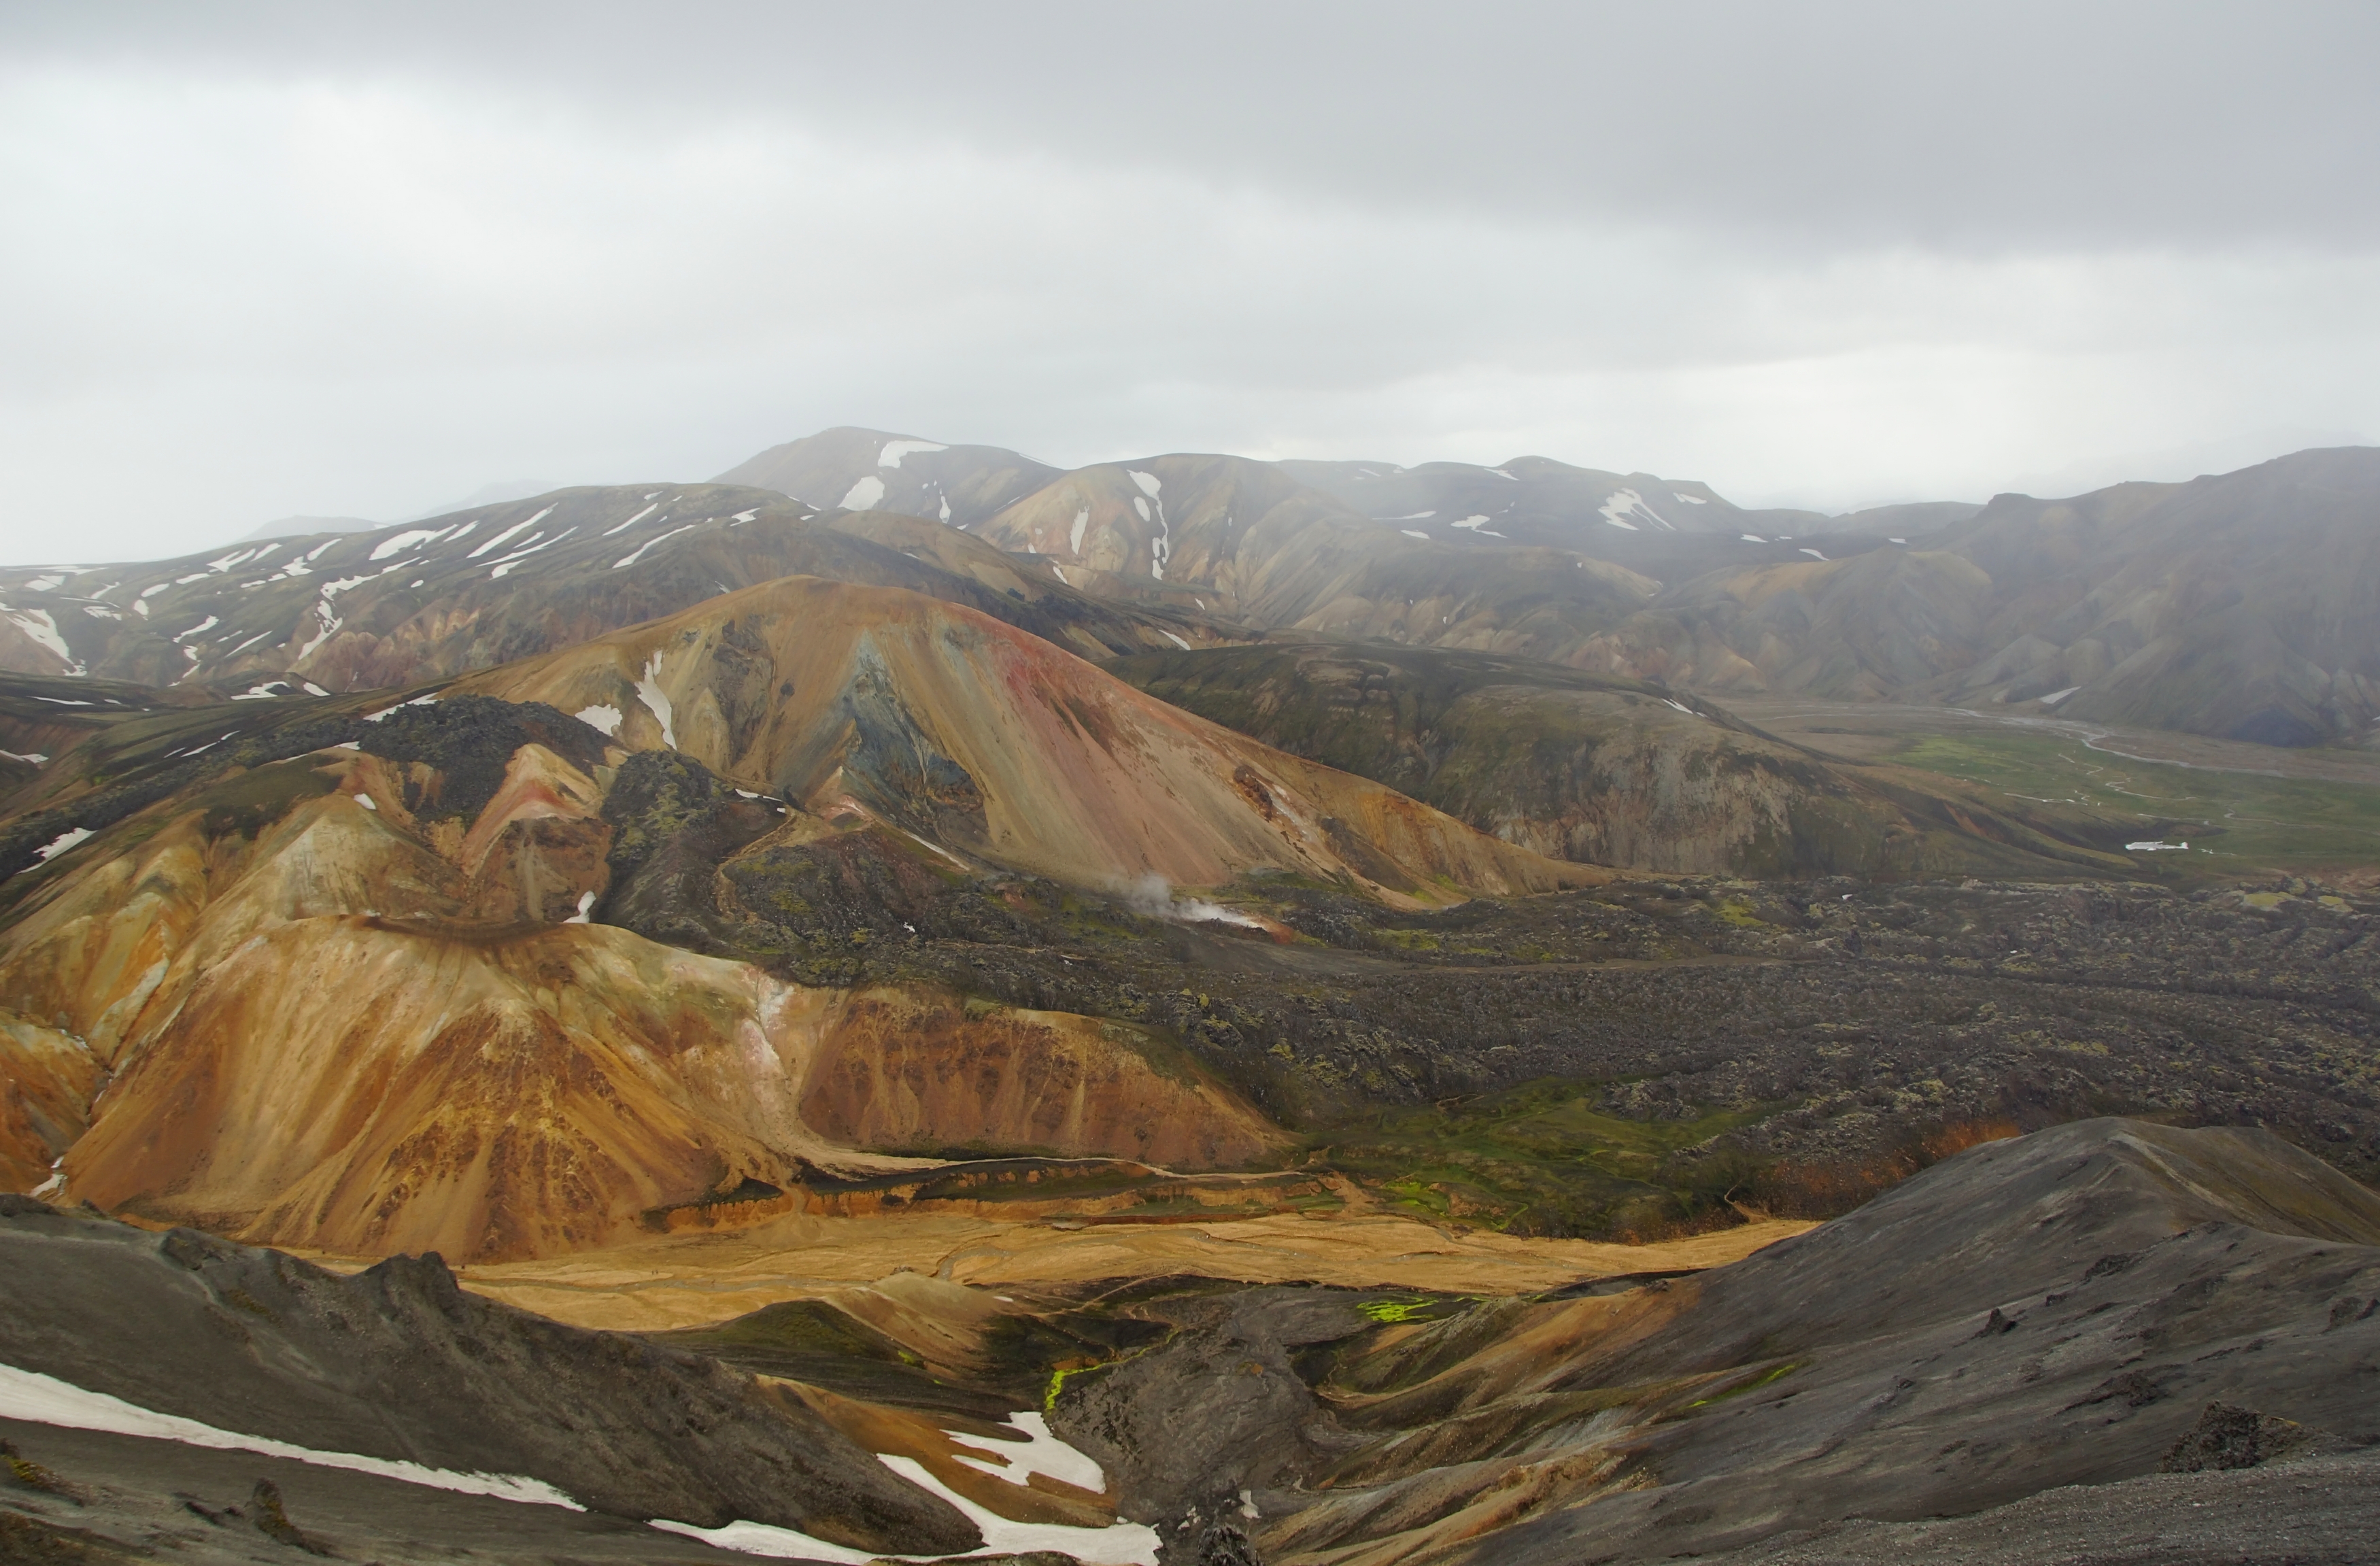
(2019,124)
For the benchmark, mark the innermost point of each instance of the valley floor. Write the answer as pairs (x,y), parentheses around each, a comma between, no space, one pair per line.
(697,1279)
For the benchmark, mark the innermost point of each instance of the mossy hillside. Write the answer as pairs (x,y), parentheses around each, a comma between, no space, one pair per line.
(1543,1159)
(2239,824)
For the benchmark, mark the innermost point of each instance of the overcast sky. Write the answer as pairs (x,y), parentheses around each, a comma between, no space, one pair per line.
(348,260)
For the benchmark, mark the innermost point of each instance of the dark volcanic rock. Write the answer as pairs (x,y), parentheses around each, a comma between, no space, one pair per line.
(399,1363)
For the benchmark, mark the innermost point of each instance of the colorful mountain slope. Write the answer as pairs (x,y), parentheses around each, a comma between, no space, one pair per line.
(992,743)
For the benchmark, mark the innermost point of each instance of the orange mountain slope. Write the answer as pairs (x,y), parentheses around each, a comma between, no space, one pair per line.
(334,1022)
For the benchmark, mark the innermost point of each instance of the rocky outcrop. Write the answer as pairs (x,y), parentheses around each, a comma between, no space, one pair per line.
(399,1364)
(2156,1300)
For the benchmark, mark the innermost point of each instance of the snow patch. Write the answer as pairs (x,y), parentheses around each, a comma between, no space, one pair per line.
(864,495)
(33,757)
(67,839)
(1040,1452)
(1177,641)
(603,716)
(1896,541)
(1624,504)
(1149,483)
(417,702)
(1690,500)
(585,906)
(44,1399)
(1754,538)
(1412,534)
(1812,552)
(366,801)
(209,623)
(1417,517)
(743,516)
(38,625)
(895,450)
(1140,503)
(2156,847)
(2054,697)
(406,540)
(1082,525)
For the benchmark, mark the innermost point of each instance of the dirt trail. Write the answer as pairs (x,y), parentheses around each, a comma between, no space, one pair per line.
(697,1278)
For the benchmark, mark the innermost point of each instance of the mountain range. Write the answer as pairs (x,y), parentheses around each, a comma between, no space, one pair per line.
(904,1000)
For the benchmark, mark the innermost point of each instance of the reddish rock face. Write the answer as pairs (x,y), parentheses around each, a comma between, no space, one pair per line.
(910,1074)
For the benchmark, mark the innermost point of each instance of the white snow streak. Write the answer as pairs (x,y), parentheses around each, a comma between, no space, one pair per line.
(631,558)
(516,556)
(604,717)
(656,701)
(631,521)
(864,495)
(44,1399)
(489,543)
(1082,525)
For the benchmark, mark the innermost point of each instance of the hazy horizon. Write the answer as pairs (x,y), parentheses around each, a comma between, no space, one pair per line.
(281,260)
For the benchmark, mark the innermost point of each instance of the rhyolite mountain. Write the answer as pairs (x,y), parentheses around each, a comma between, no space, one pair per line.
(852,469)
(421,601)
(385,928)
(2233,605)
